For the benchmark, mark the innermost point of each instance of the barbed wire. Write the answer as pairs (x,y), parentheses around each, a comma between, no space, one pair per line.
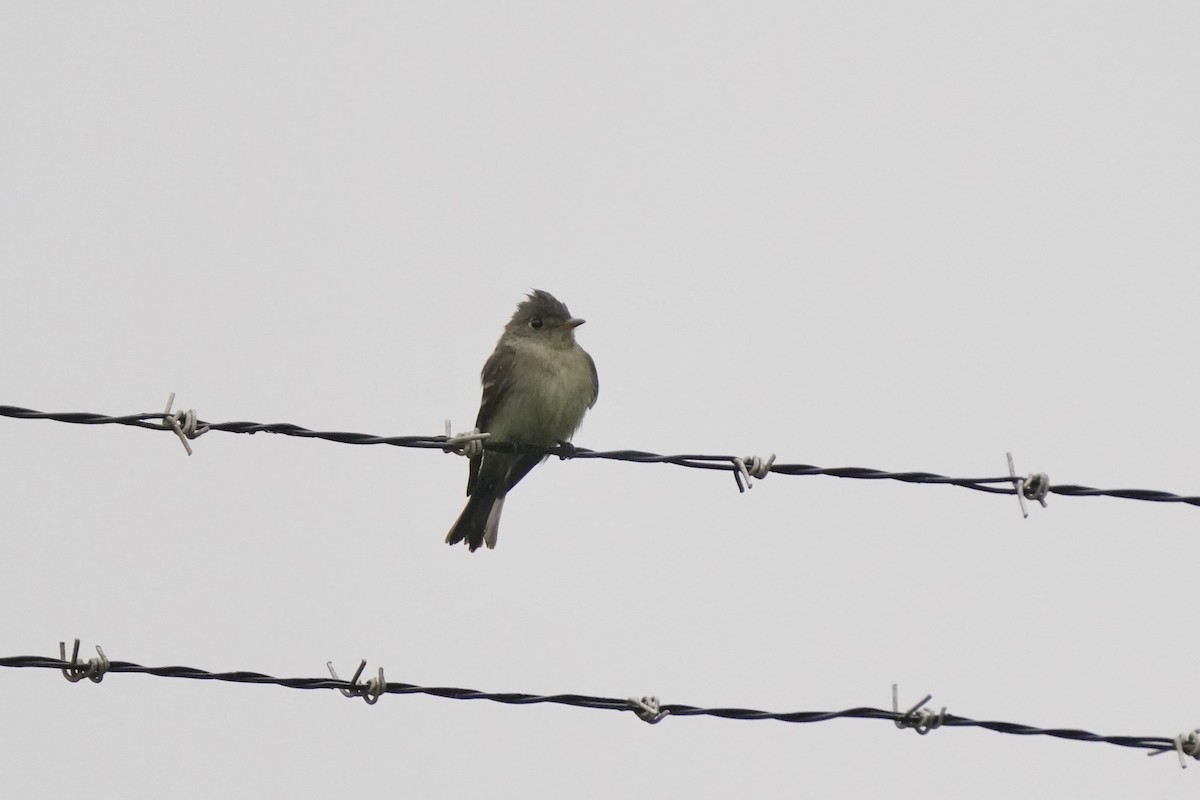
(186,426)
(918,717)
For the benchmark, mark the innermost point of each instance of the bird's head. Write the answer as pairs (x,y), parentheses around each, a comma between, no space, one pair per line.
(542,316)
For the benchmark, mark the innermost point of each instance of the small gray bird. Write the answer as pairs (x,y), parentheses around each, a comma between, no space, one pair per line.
(536,387)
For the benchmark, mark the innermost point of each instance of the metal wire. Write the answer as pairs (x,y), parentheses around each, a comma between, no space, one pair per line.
(726,463)
(1159,743)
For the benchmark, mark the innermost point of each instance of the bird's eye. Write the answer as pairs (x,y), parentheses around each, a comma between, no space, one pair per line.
(535,323)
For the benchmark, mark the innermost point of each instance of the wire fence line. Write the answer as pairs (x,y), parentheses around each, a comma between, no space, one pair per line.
(187,426)
(918,717)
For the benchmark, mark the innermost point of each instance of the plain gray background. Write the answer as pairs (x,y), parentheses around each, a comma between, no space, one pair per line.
(903,236)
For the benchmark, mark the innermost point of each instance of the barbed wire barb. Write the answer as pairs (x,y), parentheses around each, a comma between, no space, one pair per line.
(1185,744)
(74,671)
(182,423)
(1034,486)
(370,691)
(920,719)
(647,709)
(751,467)
(469,444)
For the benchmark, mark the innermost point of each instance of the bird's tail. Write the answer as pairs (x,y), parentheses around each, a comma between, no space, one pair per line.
(479,522)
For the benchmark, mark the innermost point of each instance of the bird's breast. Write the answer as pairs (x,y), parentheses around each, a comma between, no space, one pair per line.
(547,401)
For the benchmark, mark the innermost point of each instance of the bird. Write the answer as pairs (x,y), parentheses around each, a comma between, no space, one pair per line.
(537,386)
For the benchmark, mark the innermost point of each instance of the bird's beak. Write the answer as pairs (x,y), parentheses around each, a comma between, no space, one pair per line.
(573,323)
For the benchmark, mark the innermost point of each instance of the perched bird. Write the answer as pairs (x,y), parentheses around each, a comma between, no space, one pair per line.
(536,387)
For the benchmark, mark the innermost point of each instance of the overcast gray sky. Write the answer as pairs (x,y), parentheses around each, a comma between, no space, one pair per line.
(905,236)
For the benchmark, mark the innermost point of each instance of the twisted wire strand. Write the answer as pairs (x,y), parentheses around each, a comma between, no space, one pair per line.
(726,463)
(1157,743)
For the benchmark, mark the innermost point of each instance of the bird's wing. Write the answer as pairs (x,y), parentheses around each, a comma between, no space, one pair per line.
(497,378)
